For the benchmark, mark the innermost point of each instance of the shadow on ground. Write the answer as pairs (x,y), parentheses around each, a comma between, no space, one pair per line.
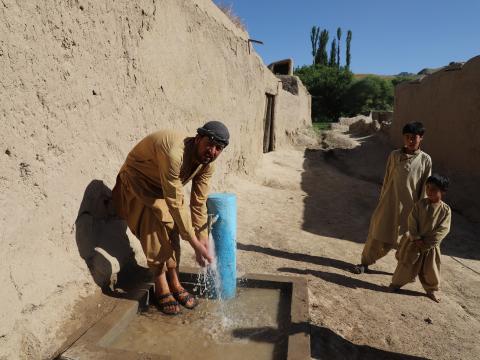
(340,197)
(339,201)
(312,259)
(347,281)
(324,343)
(103,243)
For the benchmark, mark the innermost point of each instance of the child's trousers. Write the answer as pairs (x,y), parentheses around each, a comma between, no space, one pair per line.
(426,266)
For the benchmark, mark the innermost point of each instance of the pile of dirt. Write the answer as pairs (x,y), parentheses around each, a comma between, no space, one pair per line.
(364,127)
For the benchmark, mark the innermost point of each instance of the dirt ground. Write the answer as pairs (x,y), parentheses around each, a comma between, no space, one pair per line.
(305,212)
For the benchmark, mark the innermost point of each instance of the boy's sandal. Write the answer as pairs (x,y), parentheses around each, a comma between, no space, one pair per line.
(184,297)
(163,306)
(359,269)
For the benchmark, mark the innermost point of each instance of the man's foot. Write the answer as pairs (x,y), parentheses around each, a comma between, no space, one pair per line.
(432,296)
(179,293)
(167,304)
(359,269)
(186,299)
(393,288)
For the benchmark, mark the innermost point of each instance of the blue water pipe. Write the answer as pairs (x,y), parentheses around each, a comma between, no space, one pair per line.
(223,208)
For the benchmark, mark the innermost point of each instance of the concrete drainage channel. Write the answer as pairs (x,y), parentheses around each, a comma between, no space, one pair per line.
(268,319)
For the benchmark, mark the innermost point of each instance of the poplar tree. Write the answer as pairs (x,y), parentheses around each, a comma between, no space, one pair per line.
(333,53)
(314,37)
(339,37)
(322,56)
(349,40)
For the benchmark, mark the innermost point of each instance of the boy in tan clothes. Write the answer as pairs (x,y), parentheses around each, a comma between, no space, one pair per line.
(419,251)
(404,184)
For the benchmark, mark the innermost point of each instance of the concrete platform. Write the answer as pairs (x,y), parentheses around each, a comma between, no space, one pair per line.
(291,336)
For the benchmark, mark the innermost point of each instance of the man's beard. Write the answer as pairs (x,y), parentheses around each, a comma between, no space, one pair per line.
(203,159)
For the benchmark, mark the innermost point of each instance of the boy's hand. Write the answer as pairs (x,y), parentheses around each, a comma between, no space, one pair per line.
(418,243)
(421,245)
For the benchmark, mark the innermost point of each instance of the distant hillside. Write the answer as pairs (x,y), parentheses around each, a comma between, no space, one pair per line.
(386,77)
(430,71)
(395,79)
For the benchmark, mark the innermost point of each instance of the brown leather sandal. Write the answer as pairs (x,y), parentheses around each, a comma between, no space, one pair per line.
(183,300)
(163,306)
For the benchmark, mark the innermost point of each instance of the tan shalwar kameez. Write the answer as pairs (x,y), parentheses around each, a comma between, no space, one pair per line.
(403,186)
(148,194)
(431,223)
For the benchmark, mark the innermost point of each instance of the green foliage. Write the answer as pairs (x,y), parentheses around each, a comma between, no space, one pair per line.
(328,87)
(369,93)
(336,93)
(320,126)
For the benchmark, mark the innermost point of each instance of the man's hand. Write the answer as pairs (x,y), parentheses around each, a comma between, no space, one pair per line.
(201,252)
(204,240)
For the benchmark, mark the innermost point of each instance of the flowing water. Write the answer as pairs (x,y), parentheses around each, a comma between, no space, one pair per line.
(246,327)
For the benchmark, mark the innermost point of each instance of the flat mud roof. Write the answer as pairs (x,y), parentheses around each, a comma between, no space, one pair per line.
(268,319)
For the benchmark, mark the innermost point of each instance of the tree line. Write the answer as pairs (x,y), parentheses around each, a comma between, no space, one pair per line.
(335,90)
(319,41)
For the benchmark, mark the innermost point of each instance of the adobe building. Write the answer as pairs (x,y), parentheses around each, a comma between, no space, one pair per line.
(82,82)
(448,103)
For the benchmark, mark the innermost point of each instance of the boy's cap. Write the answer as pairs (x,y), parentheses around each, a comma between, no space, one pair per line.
(440,181)
(415,128)
(216,130)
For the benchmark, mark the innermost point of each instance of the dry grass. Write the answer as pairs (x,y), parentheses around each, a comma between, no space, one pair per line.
(361,76)
(228,10)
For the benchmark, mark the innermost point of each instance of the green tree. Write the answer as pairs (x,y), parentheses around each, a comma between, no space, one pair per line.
(367,94)
(333,53)
(314,37)
(339,37)
(321,57)
(348,56)
(328,87)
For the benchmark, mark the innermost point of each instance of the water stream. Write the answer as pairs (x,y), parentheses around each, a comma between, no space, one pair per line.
(246,327)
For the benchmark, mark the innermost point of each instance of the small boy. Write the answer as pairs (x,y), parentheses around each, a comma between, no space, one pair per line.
(403,185)
(419,251)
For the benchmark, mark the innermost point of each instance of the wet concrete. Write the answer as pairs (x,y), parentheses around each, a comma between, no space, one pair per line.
(267,320)
(213,329)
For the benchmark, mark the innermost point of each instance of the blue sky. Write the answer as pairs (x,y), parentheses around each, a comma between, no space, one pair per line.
(389,36)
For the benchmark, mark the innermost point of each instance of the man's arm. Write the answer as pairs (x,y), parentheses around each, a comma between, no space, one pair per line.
(169,169)
(198,201)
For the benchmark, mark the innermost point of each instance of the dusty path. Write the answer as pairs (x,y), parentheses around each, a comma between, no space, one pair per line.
(306,213)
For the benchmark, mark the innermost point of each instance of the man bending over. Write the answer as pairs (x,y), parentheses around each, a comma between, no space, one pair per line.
(148,194)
